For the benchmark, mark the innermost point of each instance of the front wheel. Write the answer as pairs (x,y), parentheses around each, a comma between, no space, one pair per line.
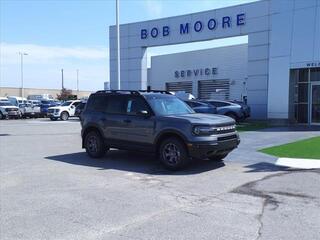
(218,157)
(94,145)
(64,116)
(173,153)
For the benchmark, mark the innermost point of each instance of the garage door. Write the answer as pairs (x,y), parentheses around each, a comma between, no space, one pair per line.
(214,89)
(179,86)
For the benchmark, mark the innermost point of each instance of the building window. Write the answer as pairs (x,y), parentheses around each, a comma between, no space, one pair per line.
(304,95)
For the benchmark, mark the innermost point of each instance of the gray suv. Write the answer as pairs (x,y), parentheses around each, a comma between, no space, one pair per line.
(154,121)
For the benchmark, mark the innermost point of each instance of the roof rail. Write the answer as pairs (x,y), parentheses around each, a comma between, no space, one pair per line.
(119,91)
(133,91)
(155,91)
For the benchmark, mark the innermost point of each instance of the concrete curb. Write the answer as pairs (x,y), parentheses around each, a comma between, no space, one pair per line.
(301,163)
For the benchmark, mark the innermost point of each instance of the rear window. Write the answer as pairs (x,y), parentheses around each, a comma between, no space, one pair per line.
(108,103)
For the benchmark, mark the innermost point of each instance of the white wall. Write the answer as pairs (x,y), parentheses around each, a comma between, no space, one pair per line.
(133,48)
(231,63)
(294,42)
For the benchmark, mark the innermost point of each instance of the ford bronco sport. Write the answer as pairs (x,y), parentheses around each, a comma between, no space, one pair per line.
(154,121)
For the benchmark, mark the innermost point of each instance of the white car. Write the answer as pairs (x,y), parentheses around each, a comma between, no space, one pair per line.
(8,110)
(64,111)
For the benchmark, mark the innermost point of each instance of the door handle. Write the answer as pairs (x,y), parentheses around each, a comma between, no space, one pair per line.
(127,121)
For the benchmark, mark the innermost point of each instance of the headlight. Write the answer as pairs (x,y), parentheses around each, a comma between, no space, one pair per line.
(204,130)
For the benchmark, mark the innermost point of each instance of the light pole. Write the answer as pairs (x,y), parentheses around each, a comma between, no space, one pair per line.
(78,82)
(118,43)
(22,84)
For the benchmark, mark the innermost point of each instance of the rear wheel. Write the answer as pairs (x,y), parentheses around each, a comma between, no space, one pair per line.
(218,157)
(94,145)
(64,116)
(173,153)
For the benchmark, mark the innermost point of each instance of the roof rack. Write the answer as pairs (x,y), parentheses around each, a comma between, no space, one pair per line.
(138,92)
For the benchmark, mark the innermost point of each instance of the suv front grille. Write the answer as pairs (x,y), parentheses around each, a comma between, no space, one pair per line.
(50,110)
(225,129)
(11,109)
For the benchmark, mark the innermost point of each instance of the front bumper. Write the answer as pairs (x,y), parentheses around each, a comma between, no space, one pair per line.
(13,113)
(53,114)
(202,150)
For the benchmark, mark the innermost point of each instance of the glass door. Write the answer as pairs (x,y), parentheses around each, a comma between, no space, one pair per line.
(315,103)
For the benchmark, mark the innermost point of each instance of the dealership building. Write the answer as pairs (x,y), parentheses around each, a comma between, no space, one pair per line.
(277,71)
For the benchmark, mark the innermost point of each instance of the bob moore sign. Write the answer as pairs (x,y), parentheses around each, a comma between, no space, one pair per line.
(198,26)
(195,72)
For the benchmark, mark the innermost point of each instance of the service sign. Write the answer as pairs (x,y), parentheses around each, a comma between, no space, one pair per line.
(197,72)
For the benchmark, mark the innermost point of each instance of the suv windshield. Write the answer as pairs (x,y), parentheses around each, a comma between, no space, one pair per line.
(66,103)
(5,103)
(168,105)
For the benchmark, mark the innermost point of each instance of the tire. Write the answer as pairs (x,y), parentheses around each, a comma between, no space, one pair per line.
(64,116)
(94,145)
(173,153)
(218,157)
(1,116)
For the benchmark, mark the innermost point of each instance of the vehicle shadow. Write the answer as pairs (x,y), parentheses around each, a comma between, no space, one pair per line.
(134,162)
(265,167)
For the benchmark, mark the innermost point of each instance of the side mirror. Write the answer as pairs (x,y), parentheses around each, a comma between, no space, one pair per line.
(143,113)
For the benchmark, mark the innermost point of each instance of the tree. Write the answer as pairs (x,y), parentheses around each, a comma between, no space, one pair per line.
(65,94)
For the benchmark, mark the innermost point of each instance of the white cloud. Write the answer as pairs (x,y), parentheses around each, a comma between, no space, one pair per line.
(46,54)
(42,66)
(154,8)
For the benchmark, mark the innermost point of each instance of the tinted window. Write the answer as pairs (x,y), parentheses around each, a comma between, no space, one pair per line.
(97,103)
(116,104)
(136,105)
(75,104)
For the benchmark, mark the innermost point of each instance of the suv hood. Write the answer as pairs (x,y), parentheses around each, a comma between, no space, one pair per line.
(59,107)
(205,119)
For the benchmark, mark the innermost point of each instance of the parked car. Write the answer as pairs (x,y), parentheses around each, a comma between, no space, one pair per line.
(40,97)
(201,107)
(157,122)
(17,100)
(7,109)
(234,110)
(45,104)
(35,102)
(29,110)
(64,111)
(79,109)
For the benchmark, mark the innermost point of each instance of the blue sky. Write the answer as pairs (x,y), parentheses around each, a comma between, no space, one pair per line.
(72,35)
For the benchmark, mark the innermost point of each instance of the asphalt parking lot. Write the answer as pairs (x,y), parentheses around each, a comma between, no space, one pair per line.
(50,189)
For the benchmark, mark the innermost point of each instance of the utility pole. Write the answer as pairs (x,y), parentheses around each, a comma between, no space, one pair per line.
(62,83)
(21,62)
(118,43)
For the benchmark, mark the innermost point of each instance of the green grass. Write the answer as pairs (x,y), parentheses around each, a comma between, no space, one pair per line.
(308,148)
(251,126)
